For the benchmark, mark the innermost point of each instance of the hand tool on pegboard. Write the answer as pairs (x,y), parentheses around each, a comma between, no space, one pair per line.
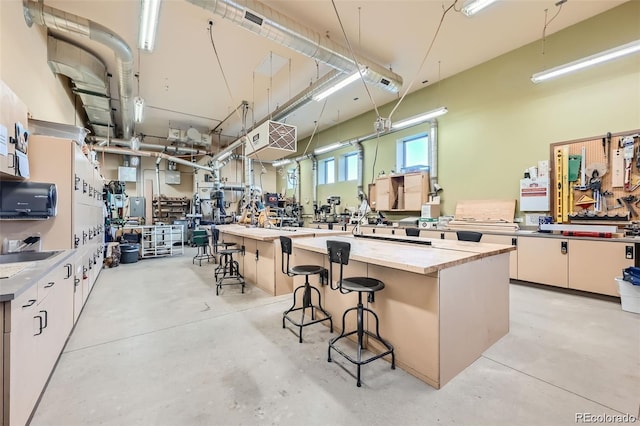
(627,153)
(583,172)
(607,154)
(562,183)
(628,201)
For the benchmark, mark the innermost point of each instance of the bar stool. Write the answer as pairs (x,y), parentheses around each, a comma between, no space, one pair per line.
(306,270)
(339,252)
(201,241)
(228,269)
(216,244)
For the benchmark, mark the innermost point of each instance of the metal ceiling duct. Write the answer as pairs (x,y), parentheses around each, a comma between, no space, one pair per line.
(262,20)
(56,19)
(88,75)
(168,149)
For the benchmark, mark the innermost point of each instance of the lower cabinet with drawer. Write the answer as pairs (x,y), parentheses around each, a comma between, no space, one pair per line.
(36,325)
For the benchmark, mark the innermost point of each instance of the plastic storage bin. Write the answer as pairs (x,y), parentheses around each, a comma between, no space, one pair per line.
(629,295)
(129,253)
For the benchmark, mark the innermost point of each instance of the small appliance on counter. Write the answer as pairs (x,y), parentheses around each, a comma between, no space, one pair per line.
(27,200)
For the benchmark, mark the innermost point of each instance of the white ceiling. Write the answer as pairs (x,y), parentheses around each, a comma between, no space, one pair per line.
(182,83)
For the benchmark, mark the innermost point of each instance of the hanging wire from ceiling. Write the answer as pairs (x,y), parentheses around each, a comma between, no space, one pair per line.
(228,87)
(559,4)
(315,127)
(426,55)
(353,57)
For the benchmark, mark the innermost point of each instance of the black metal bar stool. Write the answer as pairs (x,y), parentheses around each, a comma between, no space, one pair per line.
(306,270)
(339,252)
(228,270)
(201,240)
(216,244)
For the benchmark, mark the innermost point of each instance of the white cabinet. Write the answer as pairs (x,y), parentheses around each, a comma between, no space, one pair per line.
(36,326)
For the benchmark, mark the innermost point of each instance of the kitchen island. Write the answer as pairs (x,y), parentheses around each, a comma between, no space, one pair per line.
(442,306)
(261,262)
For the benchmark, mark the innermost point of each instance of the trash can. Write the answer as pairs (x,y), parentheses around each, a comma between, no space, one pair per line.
(629,295)
(129,253)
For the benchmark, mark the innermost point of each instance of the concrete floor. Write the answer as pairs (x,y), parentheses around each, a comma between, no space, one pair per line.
(155,346)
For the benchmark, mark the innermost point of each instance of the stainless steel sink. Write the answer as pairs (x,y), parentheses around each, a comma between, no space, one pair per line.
(26,256)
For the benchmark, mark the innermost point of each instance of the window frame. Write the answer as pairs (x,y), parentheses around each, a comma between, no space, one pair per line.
(344,167)
(401,150)
(322,171)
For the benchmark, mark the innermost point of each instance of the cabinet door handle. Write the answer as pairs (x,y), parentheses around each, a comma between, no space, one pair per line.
(46,319)
(69,268)
(76,183)
(514,242)
(39,325)
(12,163)
(29,303)
(257,254)
(50,284)
(564,247)
(76,281)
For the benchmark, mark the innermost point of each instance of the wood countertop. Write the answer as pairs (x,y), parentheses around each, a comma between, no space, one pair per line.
(401,255)
(270,234)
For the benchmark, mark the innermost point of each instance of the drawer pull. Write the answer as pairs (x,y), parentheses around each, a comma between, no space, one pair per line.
(29,303)
(50,284)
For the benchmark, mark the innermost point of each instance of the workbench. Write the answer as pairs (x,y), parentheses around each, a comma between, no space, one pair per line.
(261,262)
(442,305)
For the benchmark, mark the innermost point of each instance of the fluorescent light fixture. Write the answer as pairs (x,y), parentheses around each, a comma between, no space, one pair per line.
(281,163)
(224,156)
(138,109)
(475,6)
(327,148)
(420,118)
(341,84)
(598,58)
(149,11)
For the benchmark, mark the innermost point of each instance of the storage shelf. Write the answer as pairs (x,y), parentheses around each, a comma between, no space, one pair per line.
(160,240)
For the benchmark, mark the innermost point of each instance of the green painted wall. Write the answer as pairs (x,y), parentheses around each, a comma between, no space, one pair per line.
(499,122)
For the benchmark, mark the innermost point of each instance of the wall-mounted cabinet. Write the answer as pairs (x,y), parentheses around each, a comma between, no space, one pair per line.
(12,111)
(405,192)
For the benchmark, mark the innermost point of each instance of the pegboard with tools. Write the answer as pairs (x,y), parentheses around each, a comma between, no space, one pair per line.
(597,180)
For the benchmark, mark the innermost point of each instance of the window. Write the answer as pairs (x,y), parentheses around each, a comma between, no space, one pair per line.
(327,171)
(349,167)
(413,152)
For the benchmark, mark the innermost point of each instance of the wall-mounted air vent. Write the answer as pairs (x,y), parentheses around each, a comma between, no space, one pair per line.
(253,18)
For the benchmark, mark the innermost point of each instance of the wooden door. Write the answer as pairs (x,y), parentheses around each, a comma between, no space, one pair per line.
(593,265)
(543,260)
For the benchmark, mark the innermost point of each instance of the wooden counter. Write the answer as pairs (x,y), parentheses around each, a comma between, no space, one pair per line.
(261,264)
(442,305)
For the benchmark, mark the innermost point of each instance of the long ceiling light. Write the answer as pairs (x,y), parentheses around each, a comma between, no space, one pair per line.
(327,148)
(340,85)
(598,58)
(475,6)
(149,11)
(420,118)
(282,162)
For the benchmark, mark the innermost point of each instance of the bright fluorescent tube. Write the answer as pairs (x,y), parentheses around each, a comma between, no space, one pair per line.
(476,6)
(420,118)
(149,11)
(598,58)
(280,163)
(327,148)
(138,109)
(341,84)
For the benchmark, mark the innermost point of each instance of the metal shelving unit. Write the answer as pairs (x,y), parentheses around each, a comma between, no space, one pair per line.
(160,240)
